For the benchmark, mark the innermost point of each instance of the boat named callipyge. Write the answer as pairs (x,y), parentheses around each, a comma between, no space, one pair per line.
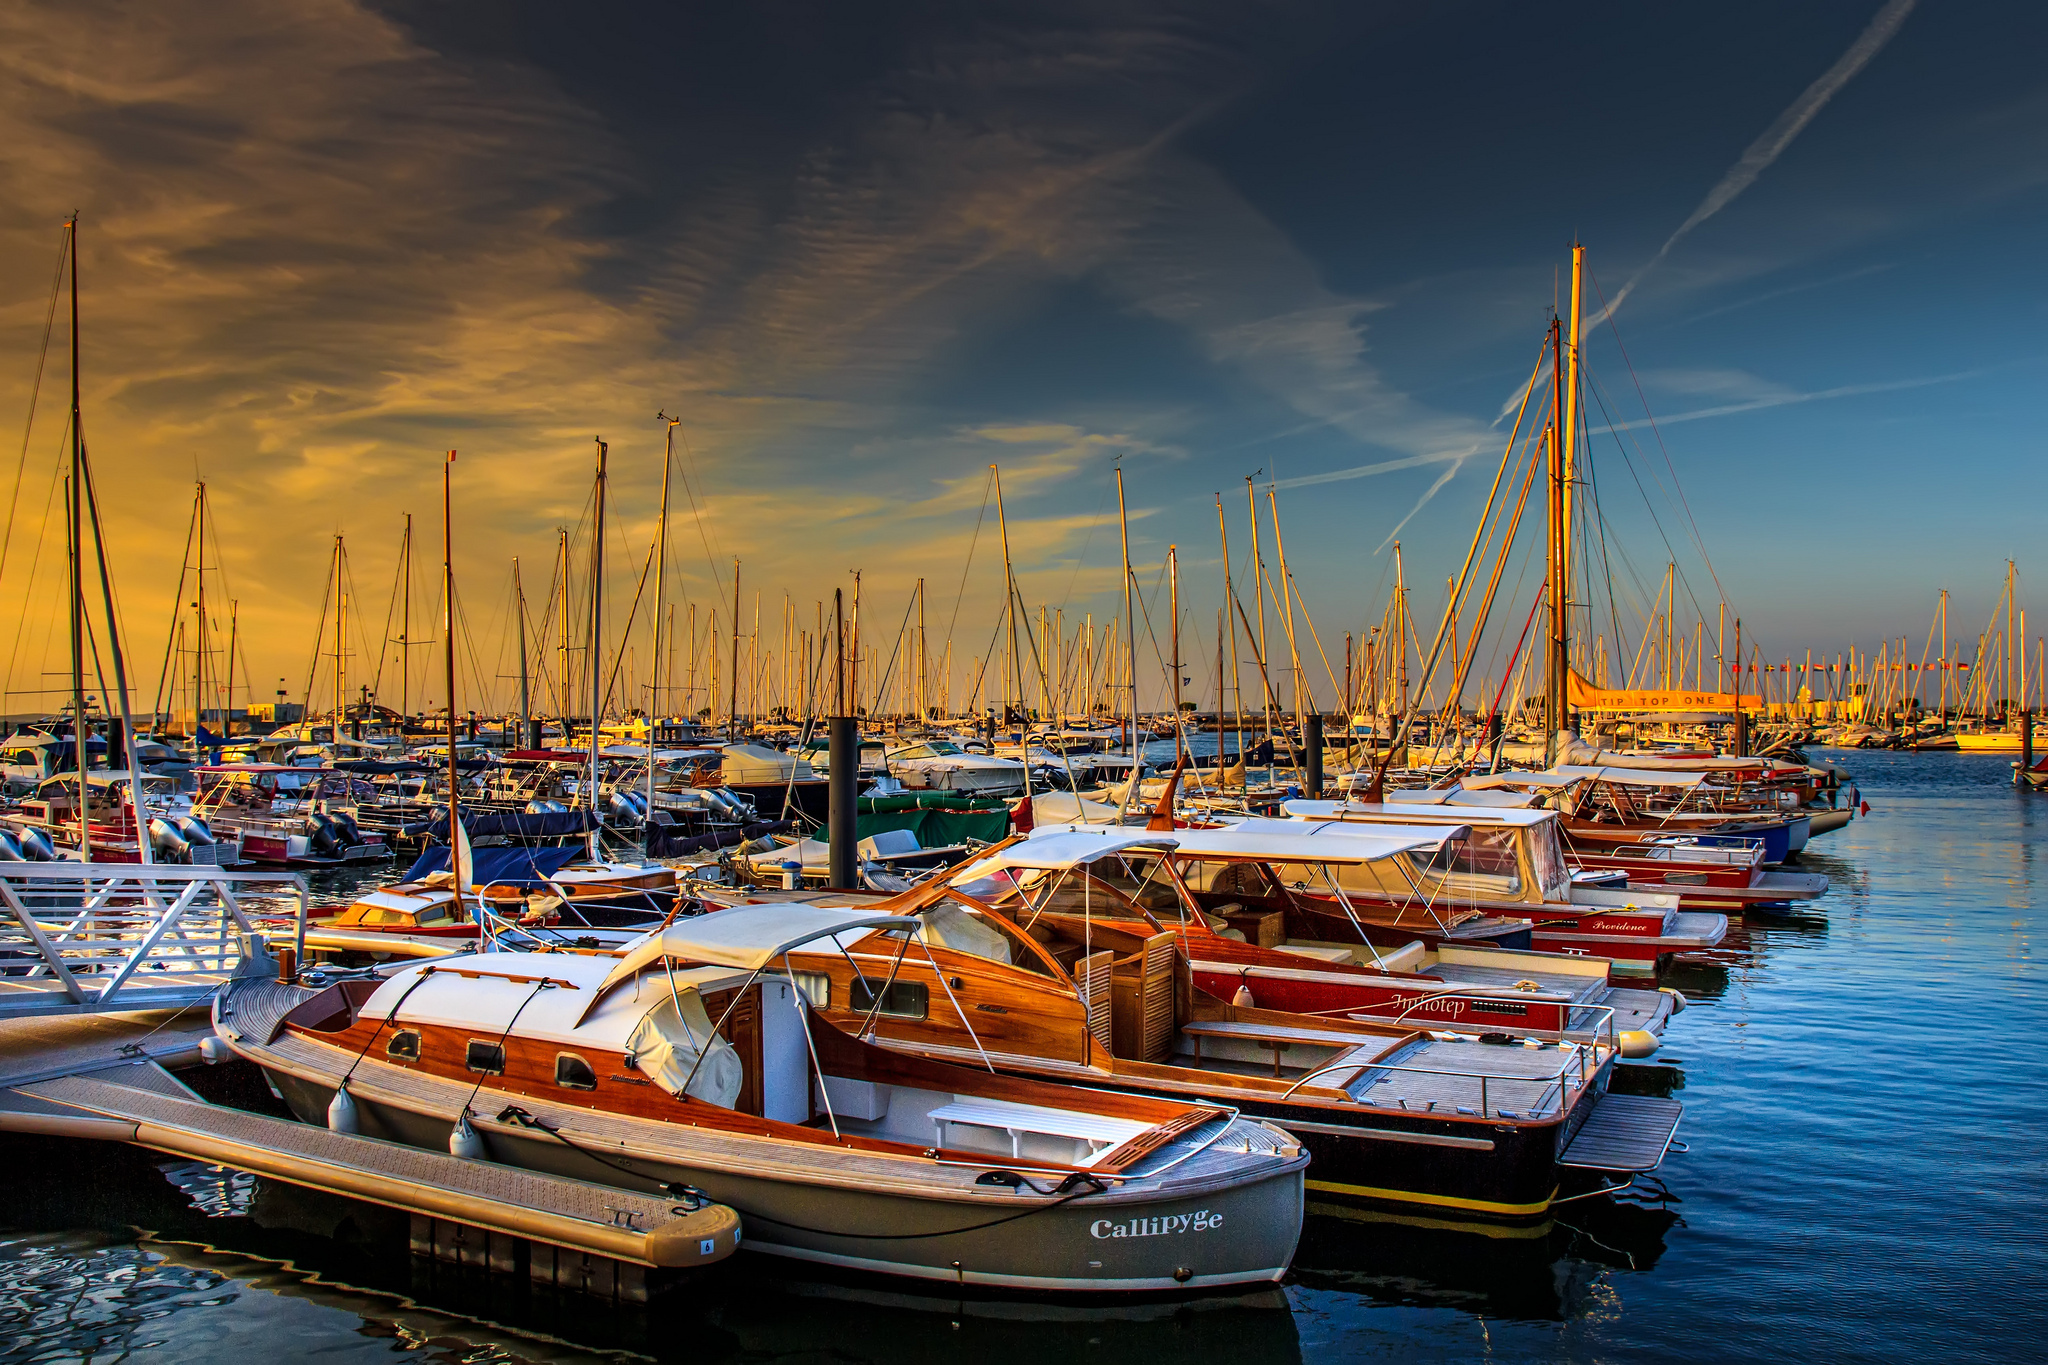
(696,1059)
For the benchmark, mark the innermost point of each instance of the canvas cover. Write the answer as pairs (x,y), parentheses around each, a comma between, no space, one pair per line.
(666,1046)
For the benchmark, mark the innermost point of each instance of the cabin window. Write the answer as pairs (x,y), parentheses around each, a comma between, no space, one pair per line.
(488,1058)
(573,1073)
(404,1046)
(900,999)
(816,986)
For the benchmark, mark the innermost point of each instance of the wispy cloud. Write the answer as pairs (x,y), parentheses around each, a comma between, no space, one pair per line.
(1788,397)
(1773,141)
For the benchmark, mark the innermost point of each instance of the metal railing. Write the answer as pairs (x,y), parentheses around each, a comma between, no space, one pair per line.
(88,937)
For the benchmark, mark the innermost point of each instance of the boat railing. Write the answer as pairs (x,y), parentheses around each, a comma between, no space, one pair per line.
(1571,1075)
(79,936)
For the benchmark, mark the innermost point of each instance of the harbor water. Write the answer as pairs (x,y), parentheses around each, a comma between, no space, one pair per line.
(1866,1179)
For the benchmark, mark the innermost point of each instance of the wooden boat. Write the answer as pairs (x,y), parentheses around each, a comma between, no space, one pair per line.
(1511,863)
(1727,874)
(1049,985)
(832,1150)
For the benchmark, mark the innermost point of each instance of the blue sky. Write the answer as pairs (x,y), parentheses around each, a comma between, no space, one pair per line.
(865,251)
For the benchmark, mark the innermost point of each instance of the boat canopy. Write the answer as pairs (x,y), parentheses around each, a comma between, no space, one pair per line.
(1634,777)
(1066,846)
(1466,796)
(1494,781)
(747,936)
(1410,813)
(1298,841)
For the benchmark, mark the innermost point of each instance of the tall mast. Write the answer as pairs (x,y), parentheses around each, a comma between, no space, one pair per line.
(1944,656)
(594,647)
(340,626)
(525,707)
(1259,594)
(1554,688)
(1569,411)
(76,507)
(732,715)
(563,692)
(1130,641)
(1015,683)
(1287,608)
(654,678)
(1401,628)
(455,840)
(1230,625)
(924,658)
(405,629)
(199,628)
(1173,578)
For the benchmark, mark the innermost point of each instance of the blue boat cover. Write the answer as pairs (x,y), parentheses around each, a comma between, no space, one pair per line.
(514,824)
(522,867)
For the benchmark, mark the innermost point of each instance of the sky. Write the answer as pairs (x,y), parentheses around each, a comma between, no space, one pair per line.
(863,252)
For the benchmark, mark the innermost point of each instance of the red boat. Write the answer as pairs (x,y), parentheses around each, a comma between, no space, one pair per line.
(1509,864)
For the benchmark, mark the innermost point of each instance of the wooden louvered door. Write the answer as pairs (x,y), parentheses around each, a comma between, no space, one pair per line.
(1092,975)
(1159,983)
(1143,1021)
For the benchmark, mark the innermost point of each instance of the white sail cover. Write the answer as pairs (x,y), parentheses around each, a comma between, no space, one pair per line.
(666,1046)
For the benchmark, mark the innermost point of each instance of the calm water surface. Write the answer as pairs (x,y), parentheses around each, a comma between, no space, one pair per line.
(1865,1110)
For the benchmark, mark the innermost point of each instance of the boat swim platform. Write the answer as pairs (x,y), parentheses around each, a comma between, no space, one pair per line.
(1624,1135)
(100,1077)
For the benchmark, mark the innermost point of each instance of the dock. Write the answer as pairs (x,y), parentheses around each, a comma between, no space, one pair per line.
(92,1028)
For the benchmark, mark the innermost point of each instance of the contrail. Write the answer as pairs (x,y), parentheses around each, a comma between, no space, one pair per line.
(1776,138)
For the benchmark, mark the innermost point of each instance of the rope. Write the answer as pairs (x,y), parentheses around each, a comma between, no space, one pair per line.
(538,987)
(376,1032)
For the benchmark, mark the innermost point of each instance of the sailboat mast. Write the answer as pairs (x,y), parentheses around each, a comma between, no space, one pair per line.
(654,679)
(1180,745)
(1230,625)
(199,629)
(405,628)
(76,506)
(1570,469)
(1130,640)
(1259,601)
(562,691)
(732,714)
(1553,691)
(594,647)
(340,625)
(1015,683)
(455,840)
(519,605)
(924,659)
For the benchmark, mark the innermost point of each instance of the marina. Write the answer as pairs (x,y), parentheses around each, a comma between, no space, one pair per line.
(891,682)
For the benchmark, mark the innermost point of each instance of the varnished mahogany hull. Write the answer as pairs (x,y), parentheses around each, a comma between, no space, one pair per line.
(1408,1001)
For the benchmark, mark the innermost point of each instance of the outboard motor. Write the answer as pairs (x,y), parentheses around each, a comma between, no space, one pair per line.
(166,837)
(194,830)
(325,839)
(622,804)
(345,825)
(36,846)
(10,851)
